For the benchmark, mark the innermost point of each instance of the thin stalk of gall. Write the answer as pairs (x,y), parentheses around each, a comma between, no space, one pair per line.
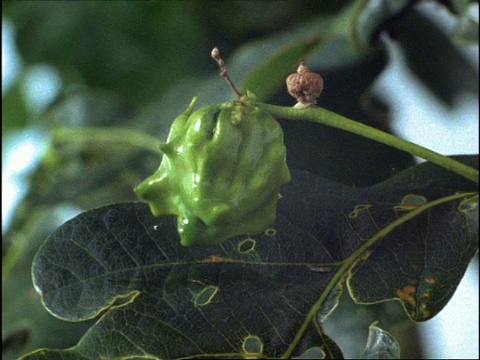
(329,118)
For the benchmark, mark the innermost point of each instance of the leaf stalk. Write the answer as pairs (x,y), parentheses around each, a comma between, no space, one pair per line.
(329,118)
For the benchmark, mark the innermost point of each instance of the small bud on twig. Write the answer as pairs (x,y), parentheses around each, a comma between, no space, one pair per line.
(224,72)
(305,86)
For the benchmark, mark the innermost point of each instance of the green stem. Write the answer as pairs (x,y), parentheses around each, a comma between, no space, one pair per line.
(329,118)
(108,134)
(362,254)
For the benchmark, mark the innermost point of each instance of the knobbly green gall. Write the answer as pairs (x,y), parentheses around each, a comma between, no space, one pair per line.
(221,172)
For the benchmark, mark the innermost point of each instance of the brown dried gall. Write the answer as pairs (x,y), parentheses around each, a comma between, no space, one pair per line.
(305,86)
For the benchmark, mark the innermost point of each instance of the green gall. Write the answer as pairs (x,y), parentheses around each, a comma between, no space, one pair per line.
(221,172)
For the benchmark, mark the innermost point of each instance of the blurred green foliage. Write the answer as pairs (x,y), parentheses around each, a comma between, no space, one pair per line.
(138,50)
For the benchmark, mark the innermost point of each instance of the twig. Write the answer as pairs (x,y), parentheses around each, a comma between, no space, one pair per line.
(224,72)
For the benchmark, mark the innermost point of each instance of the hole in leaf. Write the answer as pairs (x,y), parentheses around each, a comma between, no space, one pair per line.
(246,246)
(410,202)
(206,295)
(270,232)
(469,205)
(252,345)
(357,209)
(319,268)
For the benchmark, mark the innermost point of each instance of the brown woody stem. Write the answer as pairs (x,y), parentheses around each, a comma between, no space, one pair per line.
(224,72)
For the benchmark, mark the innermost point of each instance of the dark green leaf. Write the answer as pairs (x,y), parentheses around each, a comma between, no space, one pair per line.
(159,298)
(433,58)
(373,16)
(159,285)
(420,264)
